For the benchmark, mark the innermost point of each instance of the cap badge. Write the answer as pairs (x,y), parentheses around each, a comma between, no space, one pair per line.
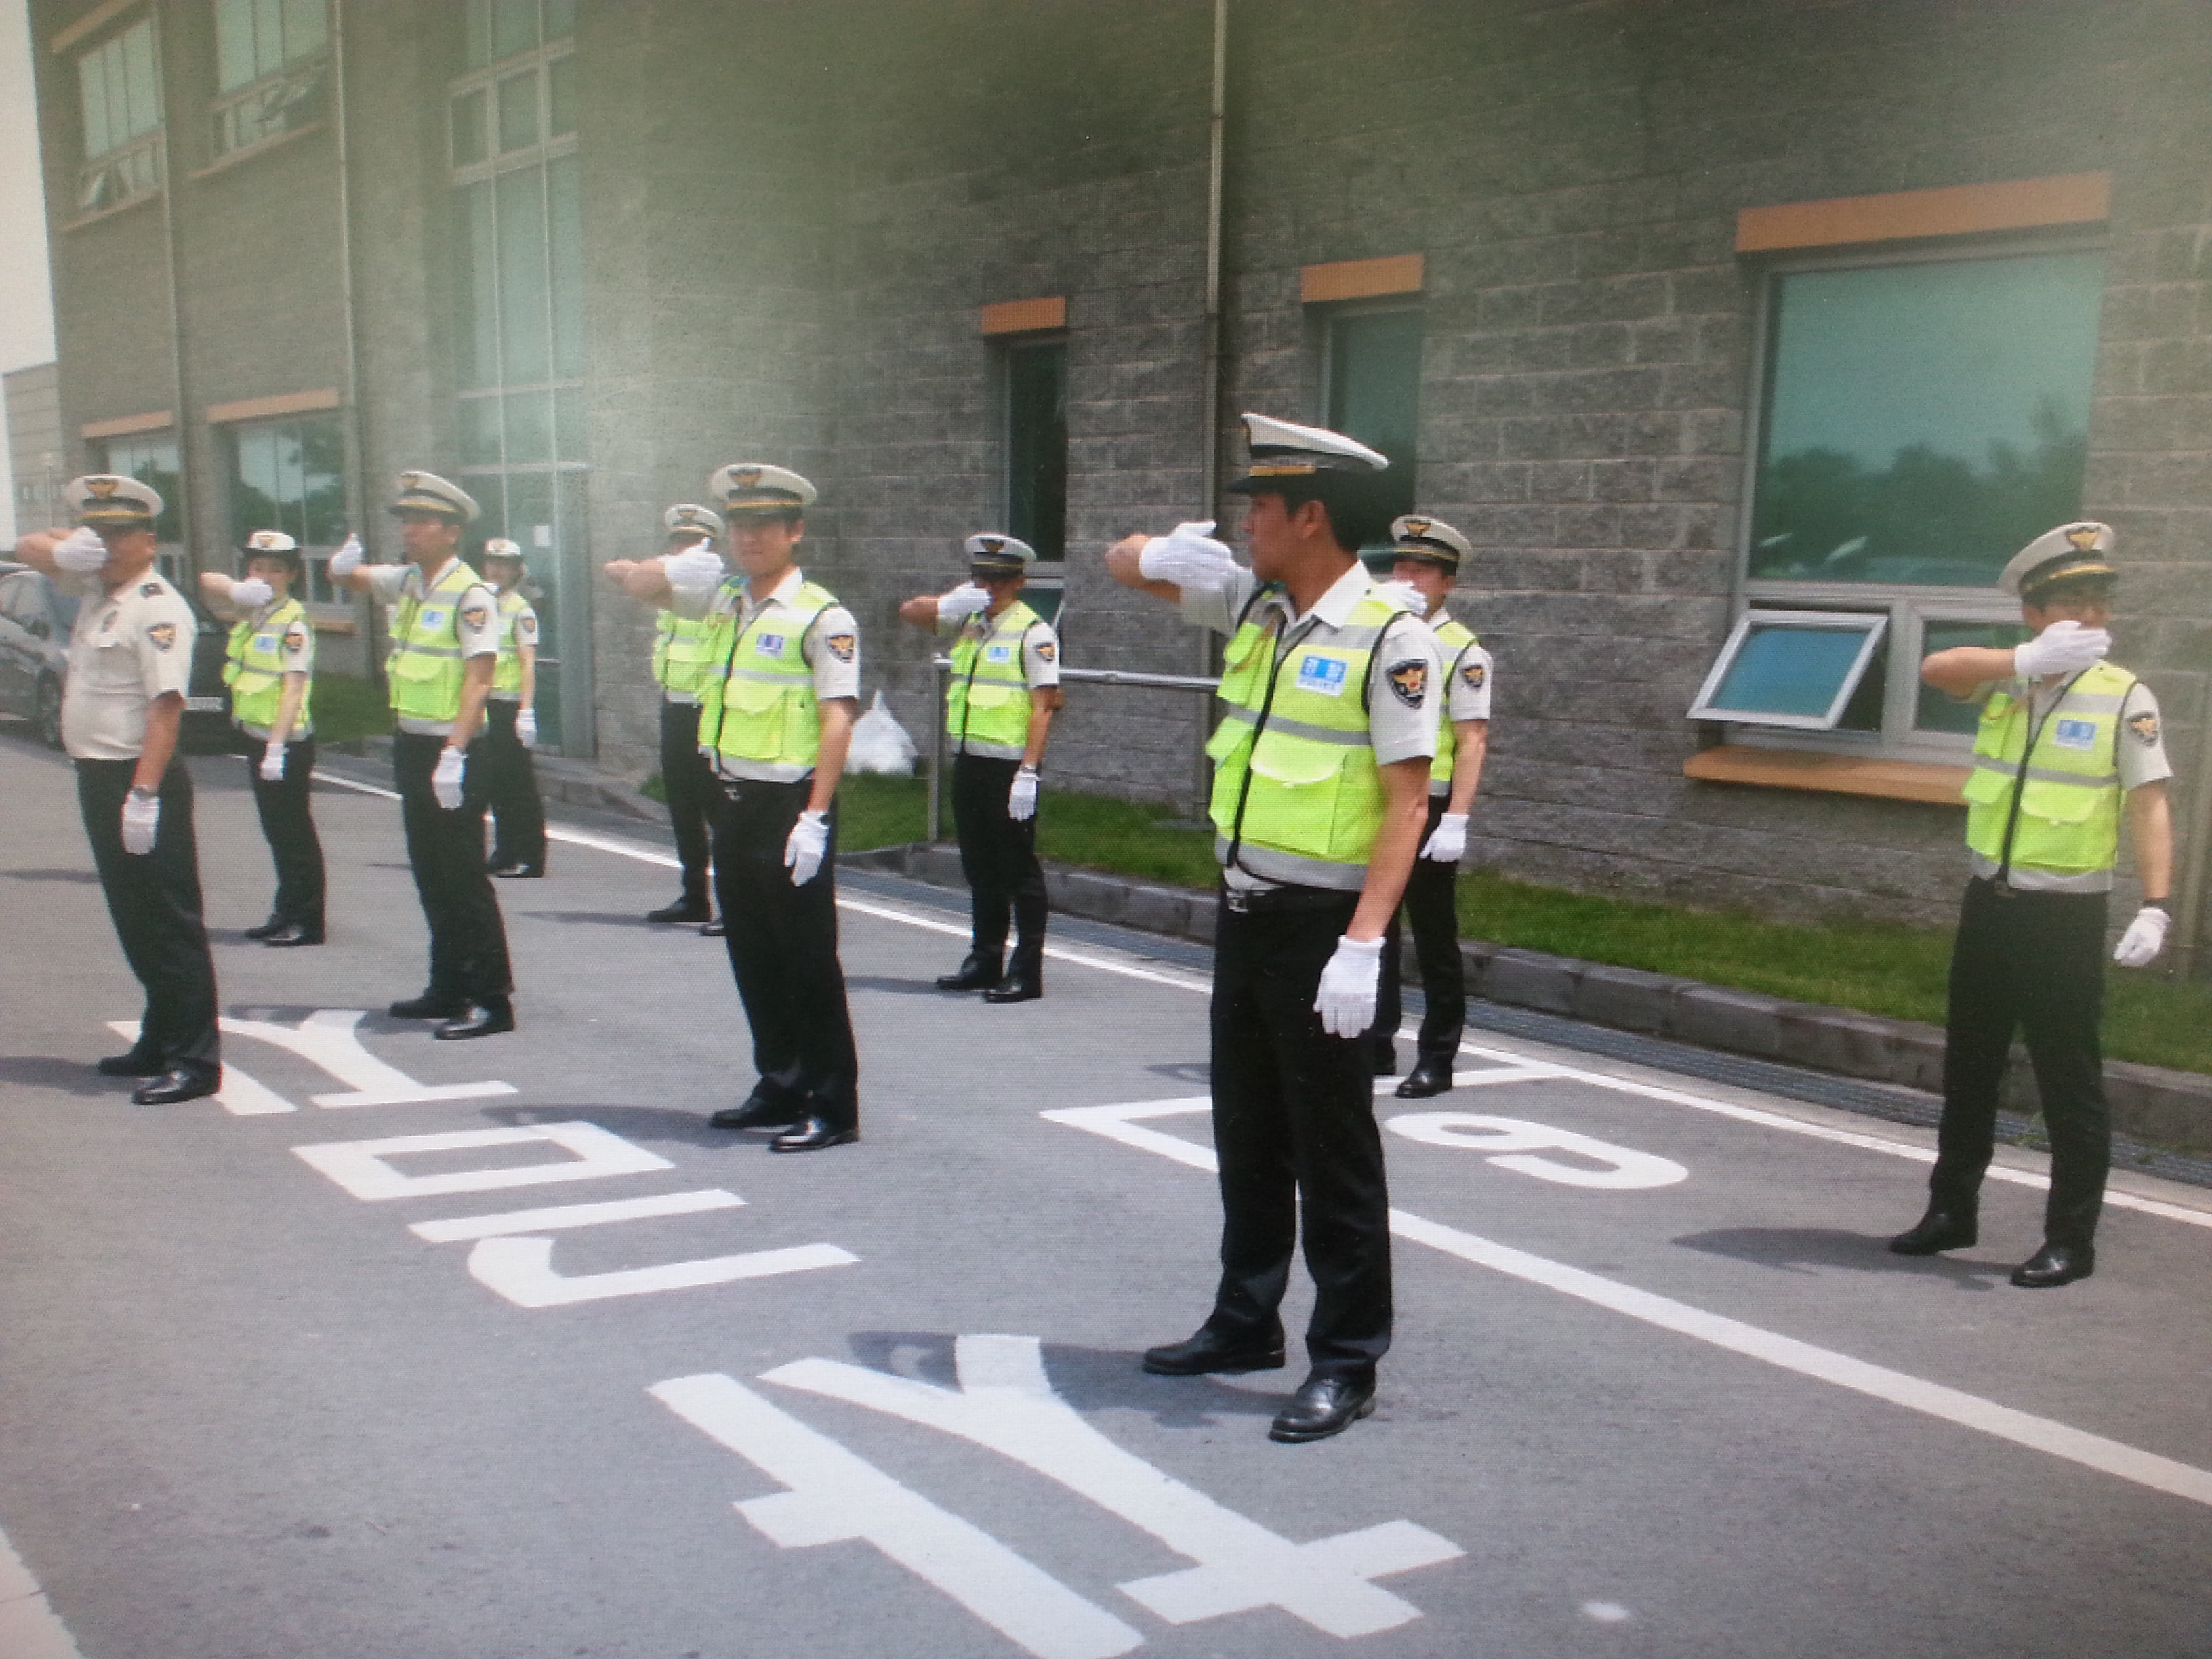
(103,488)
(746,477)
(991,543)
(1417,526)
(2083,536)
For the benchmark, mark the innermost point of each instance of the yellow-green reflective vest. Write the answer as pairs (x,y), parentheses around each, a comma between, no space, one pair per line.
(757,688)
(1297,796)
(254,672)
(2069,821)
(987,706)
(425,667)
(679,654)
(506,676)
(1454,636)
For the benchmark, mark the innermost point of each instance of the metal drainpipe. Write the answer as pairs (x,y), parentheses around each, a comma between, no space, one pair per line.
(349,416)
(1210,417)
(189,510)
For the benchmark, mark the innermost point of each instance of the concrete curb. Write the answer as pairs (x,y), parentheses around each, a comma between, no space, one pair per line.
(2149,1103)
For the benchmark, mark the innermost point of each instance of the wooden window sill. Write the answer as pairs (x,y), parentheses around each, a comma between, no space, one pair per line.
(1925,782)
(245,153)
(101,215)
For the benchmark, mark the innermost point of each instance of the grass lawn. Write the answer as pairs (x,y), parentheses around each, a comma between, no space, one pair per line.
(346,708)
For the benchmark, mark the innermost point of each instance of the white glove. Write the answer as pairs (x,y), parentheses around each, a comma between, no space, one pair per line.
(81,550)
(1403,595)
(804,848)
(141,816)
(526,728)
(1448,845)
(1021,799)
(347,559)
(695,572)
(272,762)
(2144,939)
(1346,1001)
(446,781)
(251,593)
(1189,558)
(2065,647)
(963,602)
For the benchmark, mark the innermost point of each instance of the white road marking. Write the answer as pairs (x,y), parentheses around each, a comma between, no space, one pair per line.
(1535,1069)
(329,1039)
(242,1094)
(574,1215)
(521,1270)
(1934,1399)
(29,1628)
(360,1166)
(1005,1403)
(835,1495)
(1519,1138)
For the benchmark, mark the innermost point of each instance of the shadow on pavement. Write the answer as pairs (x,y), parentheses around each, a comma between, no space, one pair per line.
(72,1077)
(1089,1379)
(1188,1071)
(900,988)
(595,919)
(1804,1249)
(647,1124)
(88,877)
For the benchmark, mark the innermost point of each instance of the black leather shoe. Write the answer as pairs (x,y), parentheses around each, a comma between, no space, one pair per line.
(682,910)
(295,934)
(431,1005)
(273,925)
(811,1135)
(978,973)
(2054,1264)
(1327,1403)
(757,1111)
(1938,1230)
(717,928)
(133,1064)
(171,1087)
(486,1018)
(1386,1059)
(1024,984)
(1211,1351)
(1428,1077)
(515,867)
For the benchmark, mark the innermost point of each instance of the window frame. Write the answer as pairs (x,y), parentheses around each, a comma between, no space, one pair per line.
(1910,608)
(314,556)
(136,161)
(1050,572)
(287,95)
(1875,622)
(1324,316)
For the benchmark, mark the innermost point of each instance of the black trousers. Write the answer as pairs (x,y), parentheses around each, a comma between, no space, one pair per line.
(1431,905)
(2034,963)
(468,938)
(153,899)
(288,824)
(510,790)
(692,794)
(782,942)
(1294,1129)
(998,855)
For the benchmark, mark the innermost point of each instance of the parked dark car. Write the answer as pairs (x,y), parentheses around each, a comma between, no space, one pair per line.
(35,620)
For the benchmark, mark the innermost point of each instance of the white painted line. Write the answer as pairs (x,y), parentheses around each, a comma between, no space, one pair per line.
(242,1096)
(573,1215)
(360,1166)
(328,1038)
(521,1270)
(29,1628)
(835,1495)
(1519,1139)
(1952,1405)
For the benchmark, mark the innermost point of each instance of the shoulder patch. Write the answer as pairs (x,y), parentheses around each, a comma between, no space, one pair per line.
(475,615)
(295,638)
(1047,650)
(2145,727)
(843,647)
(148,590)
(164,635)
(1473,673)
(1409,681)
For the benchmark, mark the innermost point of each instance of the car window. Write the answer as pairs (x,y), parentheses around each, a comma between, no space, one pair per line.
(65,607)
(15,593)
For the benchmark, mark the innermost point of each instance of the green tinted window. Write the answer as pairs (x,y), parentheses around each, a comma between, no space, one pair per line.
(1036,448)
(1923,422)
(1938,711)
(1375,392)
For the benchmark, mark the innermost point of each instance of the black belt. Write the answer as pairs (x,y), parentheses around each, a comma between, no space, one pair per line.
(1269,900)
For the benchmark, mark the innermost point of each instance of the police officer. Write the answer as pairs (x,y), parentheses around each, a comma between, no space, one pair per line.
(1426,554)
(998,715)
(778,697)
(510,781)
(2069,744)
(129,669)
(444,649)
(270,667)
(685,777)
(1321,769)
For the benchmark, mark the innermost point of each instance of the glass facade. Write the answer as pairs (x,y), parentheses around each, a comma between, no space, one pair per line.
(1373,376)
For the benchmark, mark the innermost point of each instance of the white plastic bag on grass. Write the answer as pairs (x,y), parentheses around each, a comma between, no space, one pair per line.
(880,743)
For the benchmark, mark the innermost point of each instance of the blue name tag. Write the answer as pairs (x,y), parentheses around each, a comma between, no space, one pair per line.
(265,641)
(1322,674)
(432,618)
(2076,734)
(998,653)
(768,645)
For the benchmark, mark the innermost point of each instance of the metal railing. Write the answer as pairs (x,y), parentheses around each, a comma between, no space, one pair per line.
(940,666)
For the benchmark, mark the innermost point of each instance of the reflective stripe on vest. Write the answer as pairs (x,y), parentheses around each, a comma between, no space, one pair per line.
(1455,637)
(1297,796)
(987,706)
(254,672)
(757,687)
(2068,822)
(425,667)
(679,653)
(507,677)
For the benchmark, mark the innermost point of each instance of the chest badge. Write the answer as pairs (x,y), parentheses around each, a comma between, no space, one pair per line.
(1324,675)
(2076,734)
(768,645)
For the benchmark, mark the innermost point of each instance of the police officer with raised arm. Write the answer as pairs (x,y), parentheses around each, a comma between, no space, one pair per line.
(130,669)
(778,697)
(1321,770)
(445,650)
(1426,558)
(2068,746)
(270,667)
(510,783)
(679,644)
(998,707)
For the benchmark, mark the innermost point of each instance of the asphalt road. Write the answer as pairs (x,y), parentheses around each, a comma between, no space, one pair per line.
(405,1350)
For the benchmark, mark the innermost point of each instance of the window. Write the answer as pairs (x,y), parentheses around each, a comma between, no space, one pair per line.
(152,461)
(1372,390)
(119,96)
(270,68)
(1790,668)
(290,476)
(1921,421)
(1036,447)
